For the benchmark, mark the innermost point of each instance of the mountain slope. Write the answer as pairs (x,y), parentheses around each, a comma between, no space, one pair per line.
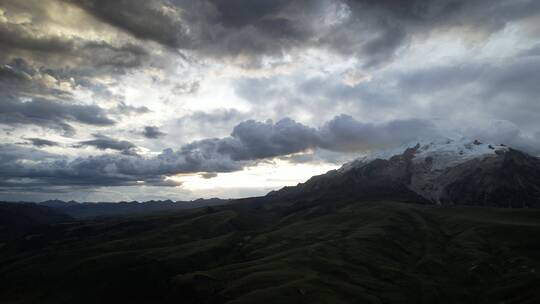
(16,219)
(510,179)
(444,172)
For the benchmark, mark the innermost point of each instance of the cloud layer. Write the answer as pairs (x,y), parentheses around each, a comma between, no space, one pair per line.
(245,30)
(51,114)
(249,142)
(96,93)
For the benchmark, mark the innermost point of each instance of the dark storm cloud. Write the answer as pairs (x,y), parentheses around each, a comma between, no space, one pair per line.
(116,58)
(10,154)
(48,170)
(144,19)
(41,67)
(34,96)
(40,142)
(23,37)
(152,132)
(50,114)
(18,78)
(196,25)
(246,29)
(17,69)
(10,75)
(30,41)
(344,133)
(103,142)
(396,21)
(251,140)
(47,104)
(262,140)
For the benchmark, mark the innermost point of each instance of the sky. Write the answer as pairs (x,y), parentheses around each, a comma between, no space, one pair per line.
(179,99)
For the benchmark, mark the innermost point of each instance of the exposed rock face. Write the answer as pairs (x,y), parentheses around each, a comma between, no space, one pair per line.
(377,179)
(511,179)
(461,173)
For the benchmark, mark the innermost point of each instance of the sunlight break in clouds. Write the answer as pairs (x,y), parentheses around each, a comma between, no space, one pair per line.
(274,175)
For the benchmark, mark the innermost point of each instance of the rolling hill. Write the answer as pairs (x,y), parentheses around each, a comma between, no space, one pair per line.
(333,252)
(17,219)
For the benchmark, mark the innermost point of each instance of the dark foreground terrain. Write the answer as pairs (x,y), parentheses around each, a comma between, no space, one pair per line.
(348,252)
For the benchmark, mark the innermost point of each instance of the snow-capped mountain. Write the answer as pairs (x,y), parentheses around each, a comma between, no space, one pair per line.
(438,171)
(444,152)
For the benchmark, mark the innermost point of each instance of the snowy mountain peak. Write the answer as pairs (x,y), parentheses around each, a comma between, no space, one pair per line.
(450,152)
(442,152)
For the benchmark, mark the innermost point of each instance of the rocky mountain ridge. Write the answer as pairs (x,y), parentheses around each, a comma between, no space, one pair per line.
(446,172)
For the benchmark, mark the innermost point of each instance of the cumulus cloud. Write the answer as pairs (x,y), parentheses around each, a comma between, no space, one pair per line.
(40,142)
(152,132)
(51,114)
(103,142)
(253,140)
(49,170)
(262,140)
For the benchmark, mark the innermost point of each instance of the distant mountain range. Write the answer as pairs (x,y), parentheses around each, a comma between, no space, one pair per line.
(90,210)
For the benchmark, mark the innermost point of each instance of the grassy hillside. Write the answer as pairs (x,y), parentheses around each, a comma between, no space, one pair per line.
(93,210)
(17,219)
(349,252)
